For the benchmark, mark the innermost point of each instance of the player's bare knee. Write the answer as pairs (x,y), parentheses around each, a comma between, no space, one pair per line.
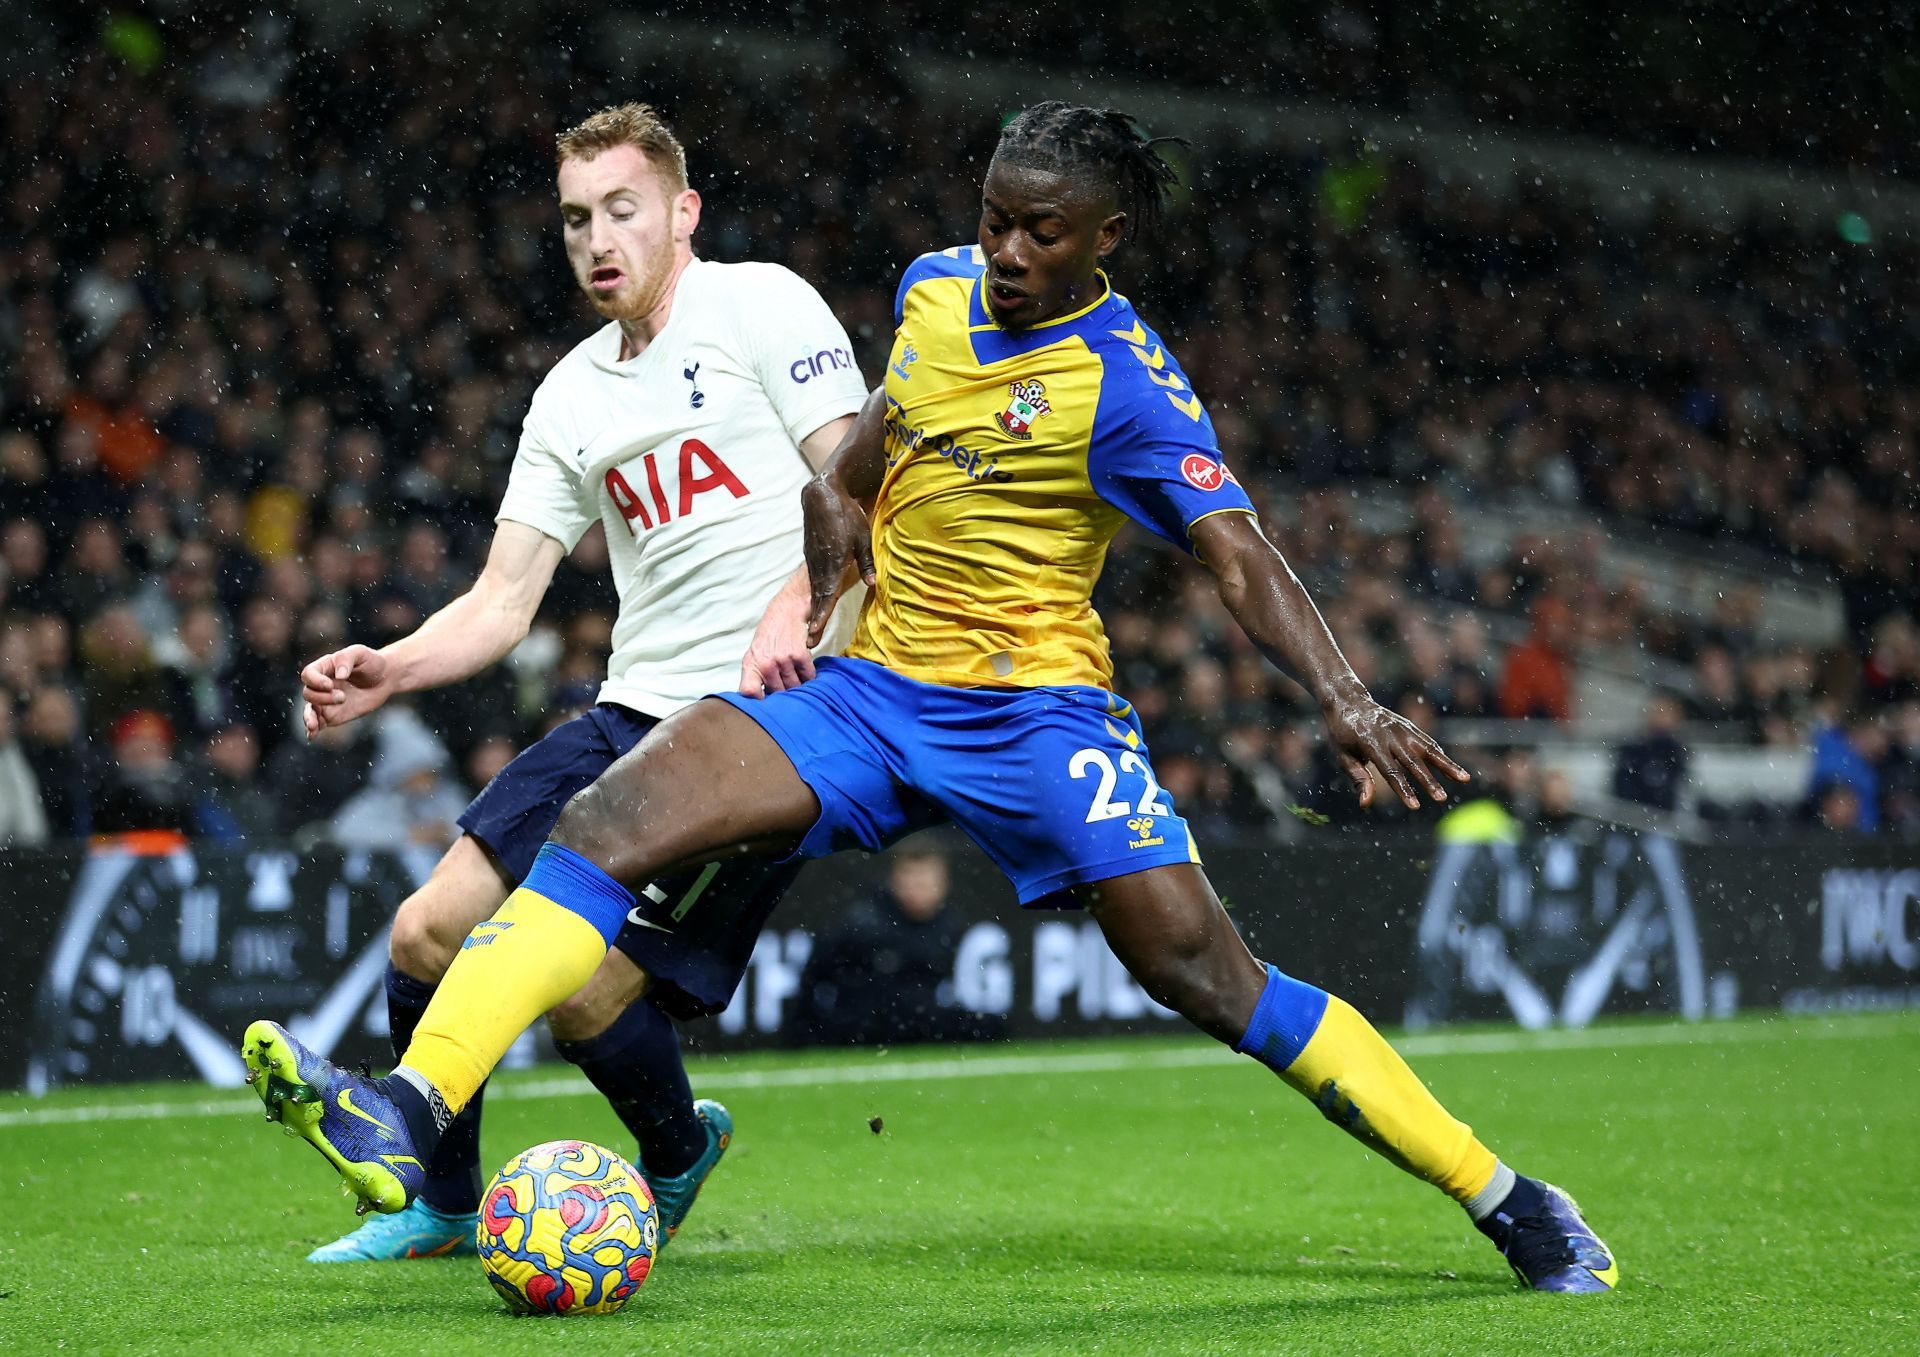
(589,827)
(418,945)
(586,1015)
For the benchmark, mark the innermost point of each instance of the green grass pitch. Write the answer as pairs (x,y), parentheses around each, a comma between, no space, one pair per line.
(1759,1179)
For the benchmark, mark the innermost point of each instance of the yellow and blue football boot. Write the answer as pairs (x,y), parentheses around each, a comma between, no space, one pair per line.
(1548,1243)
(420,1231)
(350,1118)
(674,1196)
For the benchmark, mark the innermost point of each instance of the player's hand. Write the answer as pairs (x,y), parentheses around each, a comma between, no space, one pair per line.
(343,687)
(1370,739)
(839,539)
(778,658)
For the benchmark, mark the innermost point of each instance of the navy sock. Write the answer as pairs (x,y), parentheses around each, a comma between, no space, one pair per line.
(453,1174)
(1527,1198)
(636,1063)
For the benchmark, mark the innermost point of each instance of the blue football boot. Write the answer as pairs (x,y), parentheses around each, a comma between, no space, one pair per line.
(348,1117)
(673,1197)
(1548,1243)
(417,1232)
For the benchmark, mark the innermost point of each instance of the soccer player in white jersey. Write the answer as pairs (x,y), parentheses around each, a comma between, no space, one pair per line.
(686,426)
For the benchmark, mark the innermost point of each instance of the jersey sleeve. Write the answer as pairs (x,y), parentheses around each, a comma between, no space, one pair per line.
(956,262)
(1153,453)
(544,488)
(800,352)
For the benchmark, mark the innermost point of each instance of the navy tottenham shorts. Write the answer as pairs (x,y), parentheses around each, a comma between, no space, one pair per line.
(693,932)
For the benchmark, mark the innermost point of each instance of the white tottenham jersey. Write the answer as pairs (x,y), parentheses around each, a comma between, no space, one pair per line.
(689,454)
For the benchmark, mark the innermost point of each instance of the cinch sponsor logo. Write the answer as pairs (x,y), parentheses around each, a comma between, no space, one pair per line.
(804,370)
(970,462)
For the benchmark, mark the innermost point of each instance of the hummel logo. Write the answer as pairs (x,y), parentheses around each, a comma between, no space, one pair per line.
(346,1105)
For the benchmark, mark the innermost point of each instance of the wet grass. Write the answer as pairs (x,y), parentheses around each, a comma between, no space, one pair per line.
(1761,1185)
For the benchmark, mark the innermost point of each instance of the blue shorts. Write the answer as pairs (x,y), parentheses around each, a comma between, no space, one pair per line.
(1054,784)
(715,912)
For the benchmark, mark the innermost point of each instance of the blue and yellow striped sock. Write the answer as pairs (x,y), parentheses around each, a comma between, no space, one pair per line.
(543,944)
(1319,1044)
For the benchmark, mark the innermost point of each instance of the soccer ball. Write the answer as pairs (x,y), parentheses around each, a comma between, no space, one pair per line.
(567,1228)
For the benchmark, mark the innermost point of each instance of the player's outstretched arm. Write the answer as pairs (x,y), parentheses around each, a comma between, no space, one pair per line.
(1267,599)
(839,537)
(779,656)
(470,633)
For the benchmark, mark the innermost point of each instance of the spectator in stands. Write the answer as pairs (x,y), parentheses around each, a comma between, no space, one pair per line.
(23,566)
(118,672)
(262,695)
(1555,812)
(1848,756)
(145,789)
(484,761)
(1836,806)
(1652,770)
(55,747)
(327,771)
(1900,771)
(884,972)
(411,802)
(95,572)
(186,582)
(1537,680)
(1716,693)
(195,657)
(106,409)
(25,489)
(230,803)
(23,814)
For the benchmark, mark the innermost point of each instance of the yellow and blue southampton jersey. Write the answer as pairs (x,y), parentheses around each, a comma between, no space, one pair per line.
(1013,456)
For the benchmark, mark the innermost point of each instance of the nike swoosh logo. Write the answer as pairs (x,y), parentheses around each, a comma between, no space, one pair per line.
(346,1105)
(638,919)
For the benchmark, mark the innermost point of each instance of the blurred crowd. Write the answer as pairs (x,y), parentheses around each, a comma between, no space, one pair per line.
(271,312)
(1785,83)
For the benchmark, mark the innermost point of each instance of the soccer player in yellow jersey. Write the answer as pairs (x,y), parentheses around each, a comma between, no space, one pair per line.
(1027,413)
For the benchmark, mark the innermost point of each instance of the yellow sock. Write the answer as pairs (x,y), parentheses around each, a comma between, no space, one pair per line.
(1361,1085)
(528,957)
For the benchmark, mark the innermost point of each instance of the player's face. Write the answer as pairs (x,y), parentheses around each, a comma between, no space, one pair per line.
(1043,235)
(625,230)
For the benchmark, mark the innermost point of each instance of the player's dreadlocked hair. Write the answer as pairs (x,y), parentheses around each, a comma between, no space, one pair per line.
(1063,138)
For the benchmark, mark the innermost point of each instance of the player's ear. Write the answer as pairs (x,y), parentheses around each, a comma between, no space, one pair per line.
(1112,231)
(686,214)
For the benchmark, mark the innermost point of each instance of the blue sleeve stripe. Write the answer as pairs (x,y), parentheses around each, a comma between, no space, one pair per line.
(959,261)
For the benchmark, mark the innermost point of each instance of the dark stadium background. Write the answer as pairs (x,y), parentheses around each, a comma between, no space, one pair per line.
(1570,352)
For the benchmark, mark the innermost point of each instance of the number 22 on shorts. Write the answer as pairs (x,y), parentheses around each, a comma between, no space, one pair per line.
(1104,807)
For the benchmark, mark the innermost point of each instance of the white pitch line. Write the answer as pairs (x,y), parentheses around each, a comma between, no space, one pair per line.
(1425,1046)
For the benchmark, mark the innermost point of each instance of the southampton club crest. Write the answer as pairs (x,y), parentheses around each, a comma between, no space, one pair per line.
(1027,401)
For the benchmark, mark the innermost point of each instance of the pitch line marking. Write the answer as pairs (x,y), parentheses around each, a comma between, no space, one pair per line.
(1418,1045)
